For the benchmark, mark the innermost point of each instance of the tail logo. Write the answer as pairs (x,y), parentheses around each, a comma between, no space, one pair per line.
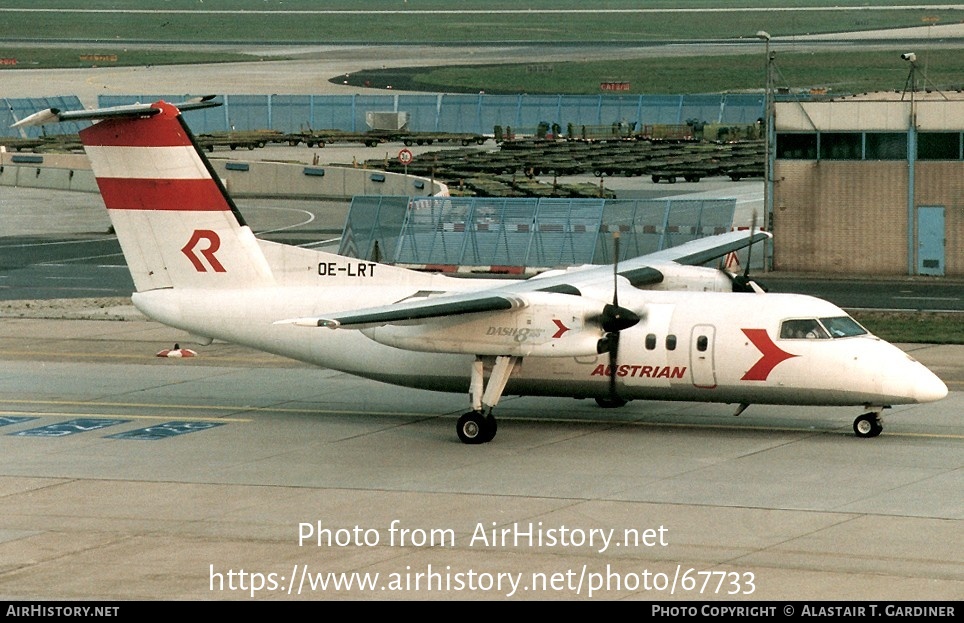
(213,244)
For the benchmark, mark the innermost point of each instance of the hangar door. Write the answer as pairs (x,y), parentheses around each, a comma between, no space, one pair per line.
(930,240)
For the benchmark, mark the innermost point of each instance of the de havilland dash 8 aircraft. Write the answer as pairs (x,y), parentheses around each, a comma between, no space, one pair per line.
(658,327)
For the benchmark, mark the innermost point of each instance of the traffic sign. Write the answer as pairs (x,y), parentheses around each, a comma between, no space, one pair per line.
(405,156)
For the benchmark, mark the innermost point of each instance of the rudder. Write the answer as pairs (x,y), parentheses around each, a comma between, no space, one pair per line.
(175,222)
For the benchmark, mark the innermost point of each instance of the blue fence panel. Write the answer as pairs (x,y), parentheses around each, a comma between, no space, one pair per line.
(463,113)
(707,108)
(583,110)
(290,113)
(625,109)
(503,110)
(247,112)
(661,109)
(373,227)
(423,112)
(538,109)
(333,112)
(743,108)
(502,232)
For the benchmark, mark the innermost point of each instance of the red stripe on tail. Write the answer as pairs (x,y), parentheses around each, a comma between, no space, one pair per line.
(162,130)
(200,195)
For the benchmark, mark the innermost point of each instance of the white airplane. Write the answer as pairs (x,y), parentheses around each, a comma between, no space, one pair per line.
(658,327)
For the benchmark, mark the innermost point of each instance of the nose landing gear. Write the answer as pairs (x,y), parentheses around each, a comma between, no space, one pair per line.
(869,424)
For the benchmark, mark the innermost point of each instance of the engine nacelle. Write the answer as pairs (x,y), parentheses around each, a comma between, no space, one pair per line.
(691,278)
(550,325)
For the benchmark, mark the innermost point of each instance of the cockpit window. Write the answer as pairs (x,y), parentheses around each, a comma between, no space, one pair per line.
(802,329)
(822,329)
(843,326)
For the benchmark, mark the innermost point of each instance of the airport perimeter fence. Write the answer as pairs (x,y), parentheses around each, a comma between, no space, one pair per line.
(536,233)
(477,114)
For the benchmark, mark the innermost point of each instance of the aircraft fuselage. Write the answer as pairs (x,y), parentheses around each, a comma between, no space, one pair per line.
(692,346)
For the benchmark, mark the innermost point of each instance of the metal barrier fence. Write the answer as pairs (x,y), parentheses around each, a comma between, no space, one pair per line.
(425,112)
(504,233)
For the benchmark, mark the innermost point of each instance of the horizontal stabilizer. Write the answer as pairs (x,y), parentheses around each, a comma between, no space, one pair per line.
(55,115)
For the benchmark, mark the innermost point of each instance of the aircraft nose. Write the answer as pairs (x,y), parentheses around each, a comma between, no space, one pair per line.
(928,387)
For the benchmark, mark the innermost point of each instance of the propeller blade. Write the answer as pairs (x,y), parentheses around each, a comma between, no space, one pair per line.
(616,268)
(613,320)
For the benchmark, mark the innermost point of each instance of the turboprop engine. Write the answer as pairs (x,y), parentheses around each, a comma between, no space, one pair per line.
(542,324)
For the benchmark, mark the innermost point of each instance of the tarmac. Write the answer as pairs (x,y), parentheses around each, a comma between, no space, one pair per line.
(236,475)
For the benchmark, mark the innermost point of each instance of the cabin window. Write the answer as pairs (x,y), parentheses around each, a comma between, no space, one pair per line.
(650,341)
(670,342)
(802,329)
(702,343)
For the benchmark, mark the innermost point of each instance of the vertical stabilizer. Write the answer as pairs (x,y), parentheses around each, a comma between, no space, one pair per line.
(176,224)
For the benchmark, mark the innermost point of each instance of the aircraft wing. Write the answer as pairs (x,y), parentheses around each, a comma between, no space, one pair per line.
(415,309)
(640,271)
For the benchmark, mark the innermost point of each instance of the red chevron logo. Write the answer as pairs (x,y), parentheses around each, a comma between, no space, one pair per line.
(772,355)
(562,328)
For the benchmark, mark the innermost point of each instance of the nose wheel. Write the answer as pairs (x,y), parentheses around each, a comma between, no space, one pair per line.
(868,425)
(475,427)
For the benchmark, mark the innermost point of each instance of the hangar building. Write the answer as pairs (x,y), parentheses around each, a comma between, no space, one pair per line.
(870,184)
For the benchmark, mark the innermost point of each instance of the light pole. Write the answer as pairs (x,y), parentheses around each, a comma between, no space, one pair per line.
(768,151)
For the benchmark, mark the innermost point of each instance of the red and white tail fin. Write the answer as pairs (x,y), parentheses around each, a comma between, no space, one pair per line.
(177,226)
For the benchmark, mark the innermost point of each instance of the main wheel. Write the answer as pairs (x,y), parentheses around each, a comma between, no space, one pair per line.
(491,426)
(867,425)
(471,428)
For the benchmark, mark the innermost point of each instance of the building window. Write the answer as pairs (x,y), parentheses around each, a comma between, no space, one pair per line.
(797,146)
(841,146)
(886,146)
(939,146)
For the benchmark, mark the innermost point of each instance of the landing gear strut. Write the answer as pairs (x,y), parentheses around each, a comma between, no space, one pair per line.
(868,425)
(479,424)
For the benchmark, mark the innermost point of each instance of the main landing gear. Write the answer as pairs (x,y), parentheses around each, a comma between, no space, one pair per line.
(869,424)
(479,425)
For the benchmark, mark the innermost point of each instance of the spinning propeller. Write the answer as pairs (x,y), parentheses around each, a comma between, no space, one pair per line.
(614,319)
